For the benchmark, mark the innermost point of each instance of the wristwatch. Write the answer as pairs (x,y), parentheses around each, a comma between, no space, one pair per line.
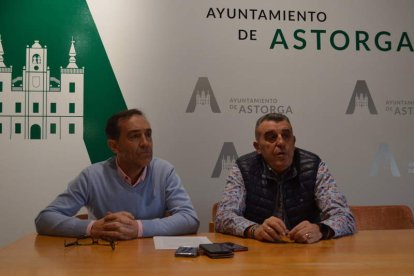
(327,232)
(249,231)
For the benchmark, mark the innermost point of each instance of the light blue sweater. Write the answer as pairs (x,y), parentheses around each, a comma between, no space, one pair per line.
(100,189)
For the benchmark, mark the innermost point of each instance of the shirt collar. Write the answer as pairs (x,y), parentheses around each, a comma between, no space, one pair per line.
(127,179)
(291,172)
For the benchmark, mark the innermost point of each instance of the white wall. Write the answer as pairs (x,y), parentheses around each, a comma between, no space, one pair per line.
(159,50)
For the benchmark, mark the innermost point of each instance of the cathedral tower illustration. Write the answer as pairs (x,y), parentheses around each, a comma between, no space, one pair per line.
(38,106)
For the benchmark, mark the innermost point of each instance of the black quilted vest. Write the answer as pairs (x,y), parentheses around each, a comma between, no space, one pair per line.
(289,196)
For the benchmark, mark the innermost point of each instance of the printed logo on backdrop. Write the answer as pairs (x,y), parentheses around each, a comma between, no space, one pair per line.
(226,159)
(316,39)
(384,159)
(37,105)
(361,100)
(257,105)
(203,96)
(411,168)
(400,107)
(45,91)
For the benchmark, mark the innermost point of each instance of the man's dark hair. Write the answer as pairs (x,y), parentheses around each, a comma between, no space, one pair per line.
(112,128)
(276,117)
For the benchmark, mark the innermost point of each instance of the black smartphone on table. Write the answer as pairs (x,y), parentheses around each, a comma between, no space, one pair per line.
(235,247)
(216,250)
(186,251)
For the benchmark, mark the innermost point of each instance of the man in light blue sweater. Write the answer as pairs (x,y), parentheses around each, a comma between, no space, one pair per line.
(130,195)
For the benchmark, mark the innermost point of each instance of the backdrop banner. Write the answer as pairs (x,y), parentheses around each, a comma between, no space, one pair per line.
(203,72)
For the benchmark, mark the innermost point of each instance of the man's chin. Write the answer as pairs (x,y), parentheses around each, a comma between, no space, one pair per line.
(279,166)
(147,160)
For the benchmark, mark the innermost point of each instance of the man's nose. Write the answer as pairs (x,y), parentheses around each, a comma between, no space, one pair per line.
(144,141)
(279,140)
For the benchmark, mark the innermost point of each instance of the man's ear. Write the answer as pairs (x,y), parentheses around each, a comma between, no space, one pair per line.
(294,139)
(257,147)
(113,145)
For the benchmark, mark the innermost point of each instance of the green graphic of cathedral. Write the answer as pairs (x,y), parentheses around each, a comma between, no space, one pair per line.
(37,105)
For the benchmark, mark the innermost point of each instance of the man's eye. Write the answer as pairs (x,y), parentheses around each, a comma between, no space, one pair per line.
(286,136)
(270,137)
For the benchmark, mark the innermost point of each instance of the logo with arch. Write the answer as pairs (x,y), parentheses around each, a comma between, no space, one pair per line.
(361,99)
(226,159)
(203,95)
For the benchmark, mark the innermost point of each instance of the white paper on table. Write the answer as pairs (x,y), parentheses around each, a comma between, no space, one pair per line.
(172,242)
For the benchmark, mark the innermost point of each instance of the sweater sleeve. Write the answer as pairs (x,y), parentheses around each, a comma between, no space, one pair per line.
(57,218)
(182,218)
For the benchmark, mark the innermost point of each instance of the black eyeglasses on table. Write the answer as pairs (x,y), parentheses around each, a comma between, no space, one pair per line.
(90,241)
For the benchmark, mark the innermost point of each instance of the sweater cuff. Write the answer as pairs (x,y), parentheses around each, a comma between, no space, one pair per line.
(88,229)
(140,229)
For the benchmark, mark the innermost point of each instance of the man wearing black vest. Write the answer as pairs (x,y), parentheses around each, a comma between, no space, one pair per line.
(282,193)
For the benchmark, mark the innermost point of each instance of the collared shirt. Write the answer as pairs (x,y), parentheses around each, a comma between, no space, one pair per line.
(100,189)
(333,205)
(279,179)
(128,180)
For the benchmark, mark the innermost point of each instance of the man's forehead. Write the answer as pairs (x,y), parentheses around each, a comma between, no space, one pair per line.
(275,126)
(139,129)
(135,123)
